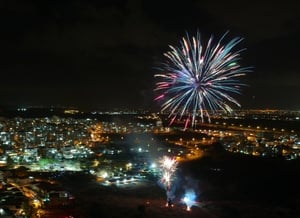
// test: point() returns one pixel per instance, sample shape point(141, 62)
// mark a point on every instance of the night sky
point(101, 54)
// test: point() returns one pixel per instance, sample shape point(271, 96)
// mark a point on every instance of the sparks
point(198, 80)
point(168, 167)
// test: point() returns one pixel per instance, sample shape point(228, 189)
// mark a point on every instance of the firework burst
point(197, 80)
point(168, 167)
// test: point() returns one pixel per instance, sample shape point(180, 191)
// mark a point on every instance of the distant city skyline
point(102, 54)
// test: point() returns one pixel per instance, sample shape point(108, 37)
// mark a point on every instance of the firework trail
point(197, 80)
point(168, 167)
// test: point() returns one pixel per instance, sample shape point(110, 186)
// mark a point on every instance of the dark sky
point(94, 54)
